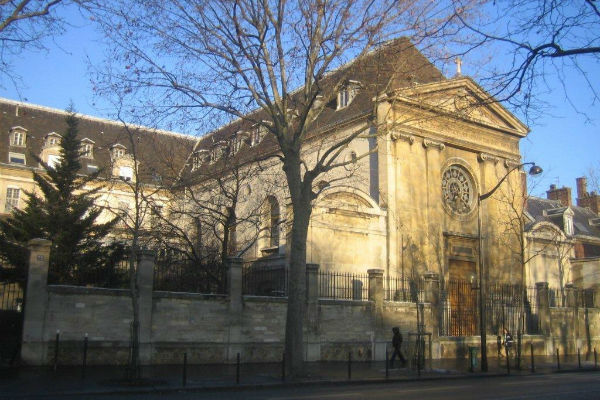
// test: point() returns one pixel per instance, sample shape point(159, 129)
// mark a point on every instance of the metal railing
point(178, 274)
point(110, 275)
point(343, 286)
point(398, 288)
point(260, 280)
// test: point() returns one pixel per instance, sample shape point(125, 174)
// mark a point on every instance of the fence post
point(235, 291)
point(313, 342)
point(33, 349)
point(431, 283)
point(571, 300)
point(145, 282)
point(376, 295)
point(543, 306)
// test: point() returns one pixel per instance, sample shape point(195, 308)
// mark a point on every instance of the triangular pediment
point(462, 98)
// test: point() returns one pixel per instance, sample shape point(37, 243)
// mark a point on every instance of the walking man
point(397, 344)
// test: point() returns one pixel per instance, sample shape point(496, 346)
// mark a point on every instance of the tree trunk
point(134, 362)
point(301, 196)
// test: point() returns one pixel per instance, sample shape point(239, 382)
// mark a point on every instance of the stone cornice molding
point(403, 136)
point(431, 143)
point(511, 163)
point(483, 157)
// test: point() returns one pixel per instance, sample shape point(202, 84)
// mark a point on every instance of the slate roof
point(581, 216)
point(159, 153)
point(393, 65)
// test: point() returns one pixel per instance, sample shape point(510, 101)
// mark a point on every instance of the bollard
point(184, 372)
point(499, 346)
point(349, 365)
point(595, 358)
point(56, 346)
point(84, 364)
point(507, 360)
point(578, 358)
point(532, 359)
point(558, 359)
point(283, 368)
point(237, 369)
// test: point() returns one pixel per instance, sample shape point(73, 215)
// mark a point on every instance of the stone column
point(431, 282)
point(145, 283)
point(313, 340)
point(234, 283)
point(543, 307)
point(33, 348)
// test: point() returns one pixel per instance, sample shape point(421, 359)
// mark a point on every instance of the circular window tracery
point(458, 190)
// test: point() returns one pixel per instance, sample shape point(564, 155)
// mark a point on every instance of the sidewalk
point(40, 382)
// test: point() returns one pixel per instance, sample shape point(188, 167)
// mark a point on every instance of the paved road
point(546, 387)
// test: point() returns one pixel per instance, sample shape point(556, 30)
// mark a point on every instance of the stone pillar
point(570, 291)
point(542, 298)
point(234, 283)
point(145, 283)
point(431, 282)
point(313, 340)
point(33, 348)
point(376, 295)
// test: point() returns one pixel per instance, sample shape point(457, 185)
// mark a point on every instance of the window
point(53, 161)
point(569, 225)
point(273, 222)
point(126, 173)
point(196, 161)
point(52, 139)
point(92, 168)
point(17, 137)
point(12, 199)
point(16, 158)
point(118, 151)
point(155, 216)
point(343, 98)
point(258, 134)
point(347, 94)
point(123, 213)
point(87, 150)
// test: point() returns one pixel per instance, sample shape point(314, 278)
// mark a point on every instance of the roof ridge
point(94, 118)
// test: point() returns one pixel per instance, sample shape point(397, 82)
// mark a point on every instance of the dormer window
point(238, 141)
point(87, 148)
point(117, 151)
point(258, 133)
point(18, 136)
point(568, 222)
point(347, 94)
point(52, 139)
point(196, 161)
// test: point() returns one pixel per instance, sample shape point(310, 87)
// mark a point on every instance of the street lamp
point(534, 170)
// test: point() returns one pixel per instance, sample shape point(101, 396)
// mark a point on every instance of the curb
point(250, 386)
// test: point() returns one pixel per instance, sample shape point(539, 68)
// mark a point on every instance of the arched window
point(274, 220)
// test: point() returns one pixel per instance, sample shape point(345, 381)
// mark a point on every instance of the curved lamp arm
point(534, 170)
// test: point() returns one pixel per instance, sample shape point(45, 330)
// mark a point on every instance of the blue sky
point(565, 142)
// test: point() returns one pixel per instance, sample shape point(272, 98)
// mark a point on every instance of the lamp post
point(534, 170)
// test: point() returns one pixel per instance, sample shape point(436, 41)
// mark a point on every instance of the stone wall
point(215, 328)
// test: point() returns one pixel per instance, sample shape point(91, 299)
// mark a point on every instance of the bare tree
point(534, 40)
point(24, 24)
point(246, 59)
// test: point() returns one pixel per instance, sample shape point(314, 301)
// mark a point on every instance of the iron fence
point(179, 274)
point(505, 308)
point(398, 288)
point(261, 280)
point(459, 309)
point(11, 296)
point(114, 275)
point(531, 310)
point(343, 286)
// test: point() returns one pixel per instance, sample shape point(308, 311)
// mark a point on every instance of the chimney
point(585, 199)
point(563, 195)
point(581, 187)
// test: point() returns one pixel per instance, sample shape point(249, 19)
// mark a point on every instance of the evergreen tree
point(64, 213)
